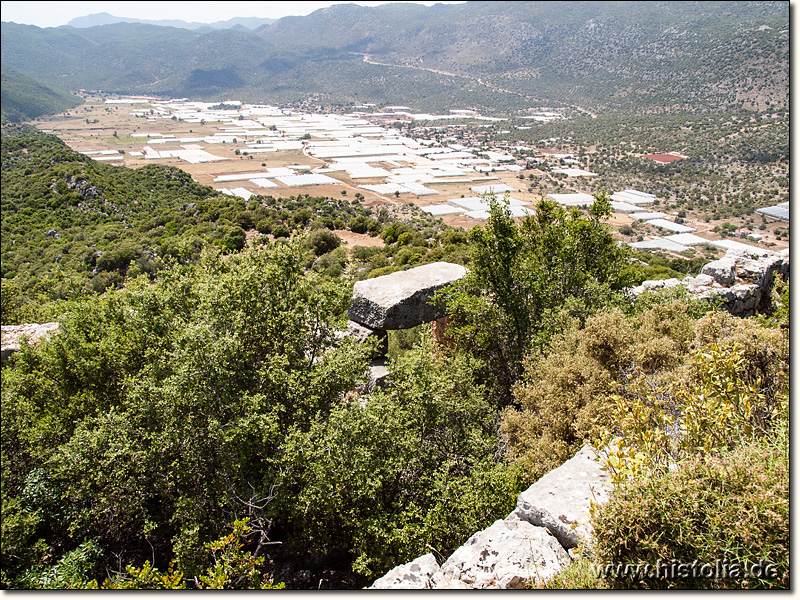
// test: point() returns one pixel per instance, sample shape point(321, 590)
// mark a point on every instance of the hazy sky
point(53, 14)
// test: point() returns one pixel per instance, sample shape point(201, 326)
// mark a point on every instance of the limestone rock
point(723, 271)
point(378, 374)
point(507, 555)
point(700, 283)
point(400, 300)
point(415, 575)
point(12, 336)
point(560, 500)
point(361, 334)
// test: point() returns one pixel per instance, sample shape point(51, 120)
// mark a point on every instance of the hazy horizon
point(56, 14)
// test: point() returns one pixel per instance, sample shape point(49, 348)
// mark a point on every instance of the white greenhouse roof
point(660, 244)
point(687, 239)
point(670, 226)
point(303, 180)
point(781, 211)
point(264, 183)
point(239, 177)
point(734, 245)
point(242, 193)
point(632, 198)
point(575, 172)
point(498, 188)
point(475, 203)
point(516, 211)
point(442, 209)
point(624, 207)
point(579, 199)
point(647, 216)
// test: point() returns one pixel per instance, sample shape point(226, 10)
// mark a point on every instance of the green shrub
point(415, 467)
point(157, 408)
point(733, 506)
point(522, 276)
point(322, 241)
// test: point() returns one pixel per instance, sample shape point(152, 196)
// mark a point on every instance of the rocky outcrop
point(415, 575)
point(402, 300)
point(531, 544)
point(561, 499)
point(507, 555)
point(13, 336)
point(742, 280)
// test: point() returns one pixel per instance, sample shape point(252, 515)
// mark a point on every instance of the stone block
point(415, 575)
point(506, 555)
point(401, 300)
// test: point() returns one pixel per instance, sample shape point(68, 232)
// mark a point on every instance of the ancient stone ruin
point(399, 300)
point(742, 280)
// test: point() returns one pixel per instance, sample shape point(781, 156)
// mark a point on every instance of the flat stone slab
point(509, 554)
point(401, 300)
point(12, 336)
point(415, 575)
point(560, 500)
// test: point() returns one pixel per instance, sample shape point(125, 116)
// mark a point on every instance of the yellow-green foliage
point(559, 399)
point(700, 459)
point(580, 574)
point(717, 407)
point(733, 506)
point(232, 568)
point(566, 396)
point(631, 376)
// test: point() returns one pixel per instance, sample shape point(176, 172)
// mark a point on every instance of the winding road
point(477, 80)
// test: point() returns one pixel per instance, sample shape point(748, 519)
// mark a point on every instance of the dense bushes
point(731, 507)
point(691, 414)
point(520, 278)
point(164, 412)
point(417, 466)
point(143, 424)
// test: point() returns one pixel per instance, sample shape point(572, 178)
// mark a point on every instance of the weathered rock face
point(415, 575)
point(741, 279)
point(723, 271)
point(362, 334)
point(507, 555)
point(12, 336)
point(530, 545)
point(378, 374)
point(400, 300)
point(560, 500)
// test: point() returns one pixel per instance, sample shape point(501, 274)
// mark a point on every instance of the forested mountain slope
point(24, 99)
point(647, 56)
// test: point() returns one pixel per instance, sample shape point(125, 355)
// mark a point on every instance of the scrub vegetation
point(197, 422)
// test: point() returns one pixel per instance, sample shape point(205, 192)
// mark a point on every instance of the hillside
point(74, 226)
point(644, 57)
point(24, 99)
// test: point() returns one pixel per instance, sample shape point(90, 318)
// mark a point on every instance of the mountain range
point(643, 57)
point(240, 23)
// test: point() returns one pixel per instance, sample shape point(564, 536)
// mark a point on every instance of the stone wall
point(741, 279)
